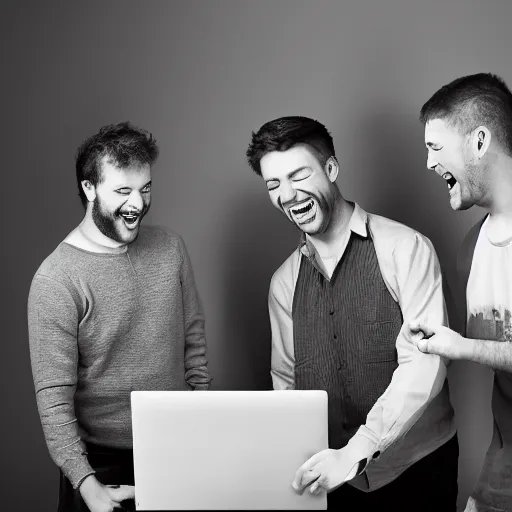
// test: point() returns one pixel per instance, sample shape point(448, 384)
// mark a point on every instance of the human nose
point(288, 193)
point(135, 201)
point(431, 162)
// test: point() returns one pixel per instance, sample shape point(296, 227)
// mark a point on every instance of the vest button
point(335, 337)
point(331, 312)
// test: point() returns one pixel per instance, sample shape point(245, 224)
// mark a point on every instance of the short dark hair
point(283, 133)
point(474, 100)
point(123, 143)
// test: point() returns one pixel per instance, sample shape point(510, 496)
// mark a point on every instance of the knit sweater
point(103, 325)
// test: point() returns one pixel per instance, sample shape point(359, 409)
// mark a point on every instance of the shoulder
point(395, 237)
point(58, 264)
point(284, 278)
point(55, 274)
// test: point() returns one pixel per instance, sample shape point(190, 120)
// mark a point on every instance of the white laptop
point(225, 450)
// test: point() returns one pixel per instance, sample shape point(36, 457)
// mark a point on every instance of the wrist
point(466, 348)
point(89, 485)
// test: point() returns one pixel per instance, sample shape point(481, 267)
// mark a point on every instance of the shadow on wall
point(258, 240)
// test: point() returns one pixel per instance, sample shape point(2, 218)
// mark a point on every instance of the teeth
point(450, 180)
point(130, 219)
point(303, 209)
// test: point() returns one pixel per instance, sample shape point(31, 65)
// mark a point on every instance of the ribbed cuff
point(198, 378)
point(76, 470)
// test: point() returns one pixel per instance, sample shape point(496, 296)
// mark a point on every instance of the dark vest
point(345, 334)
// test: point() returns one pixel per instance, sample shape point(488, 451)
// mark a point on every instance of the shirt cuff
point(77, 470)
point(362, 448)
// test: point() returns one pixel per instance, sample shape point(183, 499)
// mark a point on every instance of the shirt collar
point(357, 224)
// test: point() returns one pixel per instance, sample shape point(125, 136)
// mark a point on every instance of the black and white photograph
point(258, 255)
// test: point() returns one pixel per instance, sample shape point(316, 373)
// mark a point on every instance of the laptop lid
point(222, 450)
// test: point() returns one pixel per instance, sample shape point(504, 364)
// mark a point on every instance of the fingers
point(423, 345)
point(419, 327)
point(316, 488)
point(121, 492)
point(304, 475)
point(307, 478)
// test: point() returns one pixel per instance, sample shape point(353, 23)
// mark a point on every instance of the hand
point(104, 498)
point(326, 470)
point(436, 339)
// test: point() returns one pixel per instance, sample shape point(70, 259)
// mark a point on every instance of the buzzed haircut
point(470, 101)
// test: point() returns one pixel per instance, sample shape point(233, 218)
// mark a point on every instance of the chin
point(461, 205)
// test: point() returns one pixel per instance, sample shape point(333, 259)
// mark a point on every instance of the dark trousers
point(429, 485)
point(112, 466)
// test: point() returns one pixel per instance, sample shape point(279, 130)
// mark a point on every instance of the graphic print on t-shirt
point(489, 291)
point(490, 323)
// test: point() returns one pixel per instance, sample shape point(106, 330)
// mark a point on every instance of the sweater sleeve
point(196, 362)
point(53, 324)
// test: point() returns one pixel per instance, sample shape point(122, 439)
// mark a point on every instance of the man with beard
point(337, 306)
point(113, 309)
point(468, 134)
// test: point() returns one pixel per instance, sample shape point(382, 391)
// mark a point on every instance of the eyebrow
point(290, 174)
point(124, 186)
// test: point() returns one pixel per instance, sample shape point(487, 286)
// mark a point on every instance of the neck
point(325, 242)
point(499, 198)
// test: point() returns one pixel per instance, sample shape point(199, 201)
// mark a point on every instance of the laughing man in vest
point(337, 306)
point(113, 309)
point(468, 134)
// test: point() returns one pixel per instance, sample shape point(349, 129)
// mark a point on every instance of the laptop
point(225, 450)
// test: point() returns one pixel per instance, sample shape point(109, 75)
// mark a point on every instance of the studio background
point(201, 75)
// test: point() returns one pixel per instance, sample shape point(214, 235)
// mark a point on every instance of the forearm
point(196, 362)
point(56, 411)
point(496, 354)
point(197, 375)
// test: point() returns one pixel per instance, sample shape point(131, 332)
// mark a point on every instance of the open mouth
point(305, 212)
point(450, 180)
point(130, 219)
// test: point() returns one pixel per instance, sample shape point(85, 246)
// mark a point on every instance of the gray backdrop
point(201, 76)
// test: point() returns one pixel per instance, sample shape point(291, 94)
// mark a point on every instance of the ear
point(332, 168)
point(480, 141)
point(89, 190)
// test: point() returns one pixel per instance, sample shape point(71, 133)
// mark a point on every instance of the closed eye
point(272, 185)
point(301, 174)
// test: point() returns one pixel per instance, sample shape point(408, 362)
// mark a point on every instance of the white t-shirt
point(489, 303)
point(489, 290)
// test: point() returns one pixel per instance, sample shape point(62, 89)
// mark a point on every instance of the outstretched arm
point(437, 339)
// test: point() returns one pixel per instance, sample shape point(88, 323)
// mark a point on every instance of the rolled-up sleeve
point(416, 275)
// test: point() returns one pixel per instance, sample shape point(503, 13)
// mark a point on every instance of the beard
point(473, 189)
point(111, 223)
point(324, 210)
